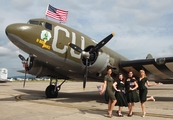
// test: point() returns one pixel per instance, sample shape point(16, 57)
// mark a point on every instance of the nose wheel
point(52, 90)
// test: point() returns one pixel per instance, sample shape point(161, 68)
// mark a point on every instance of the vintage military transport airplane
point(61, 52)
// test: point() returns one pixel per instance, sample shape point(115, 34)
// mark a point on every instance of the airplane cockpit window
point(42, 23)
point(48, 26)
point(33, 22)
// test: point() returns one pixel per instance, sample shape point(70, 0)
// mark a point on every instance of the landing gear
point(52, 90)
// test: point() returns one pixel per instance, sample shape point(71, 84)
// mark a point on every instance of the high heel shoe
point(130, 115)
point(120, 114)
point(153, 98)
point(110, 115)
point(143, 115)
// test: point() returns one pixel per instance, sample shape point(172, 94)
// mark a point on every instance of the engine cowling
point(98, 60)
point(100, 64)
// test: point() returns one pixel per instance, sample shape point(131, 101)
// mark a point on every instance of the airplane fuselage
point(48, 41)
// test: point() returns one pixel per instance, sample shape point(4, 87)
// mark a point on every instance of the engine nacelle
point(100, 64)
point(40, 69)
point(160, 61)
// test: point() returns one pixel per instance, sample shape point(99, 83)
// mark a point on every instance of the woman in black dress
point(143, 90)
point(120, 93)
point(131, 92)
point(108, 86)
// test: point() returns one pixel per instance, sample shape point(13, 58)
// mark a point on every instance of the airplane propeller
point(75, 47)
point(102, 43)
point(87, 55)
point(27, 64)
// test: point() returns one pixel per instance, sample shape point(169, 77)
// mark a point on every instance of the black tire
point(50, 93)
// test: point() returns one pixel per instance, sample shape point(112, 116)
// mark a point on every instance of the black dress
point(142, 89)
point(121, 98)
point(132, 95)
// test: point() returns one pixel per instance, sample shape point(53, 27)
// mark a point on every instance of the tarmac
point(30, 103)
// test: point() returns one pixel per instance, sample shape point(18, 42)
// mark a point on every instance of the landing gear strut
point(52, 90)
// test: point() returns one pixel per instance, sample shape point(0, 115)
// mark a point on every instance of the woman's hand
point(158, 84)
point(118, 90)
point(131, 88)
point(101, 92)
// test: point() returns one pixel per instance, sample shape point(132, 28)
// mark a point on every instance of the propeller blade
point(85, 74)
point(25, 62)
point(102, 43)
point(24, 80)
point(21, 57)
point(75, 47)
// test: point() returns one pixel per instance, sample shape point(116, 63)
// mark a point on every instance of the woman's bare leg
point(113, 102)
point(151, 98)
point(132, 107)
point(109, 106)
point(120, 109)
point(129, 107)
point(143, 109)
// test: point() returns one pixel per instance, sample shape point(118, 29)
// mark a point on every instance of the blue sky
point(140, 26)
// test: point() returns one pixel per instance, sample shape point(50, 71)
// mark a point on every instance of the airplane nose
point(16, 30)
point(9, 29)
point(12, 29)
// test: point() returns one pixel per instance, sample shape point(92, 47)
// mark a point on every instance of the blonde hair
point(142, 71)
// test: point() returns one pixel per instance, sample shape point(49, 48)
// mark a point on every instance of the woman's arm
point(115, 86)
point(136, 86)
point(104, 87)
point(149, 85)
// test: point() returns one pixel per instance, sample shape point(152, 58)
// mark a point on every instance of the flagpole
point(46, 12)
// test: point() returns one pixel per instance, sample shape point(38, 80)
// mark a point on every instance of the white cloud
point(21, 5)
point(9, 58)
point(9, 50)
point(160, 6)
point(131, 4)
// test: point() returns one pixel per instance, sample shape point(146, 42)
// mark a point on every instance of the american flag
point(100, 87)
point(56, 13)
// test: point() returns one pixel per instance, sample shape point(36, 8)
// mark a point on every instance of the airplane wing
point(156, 68)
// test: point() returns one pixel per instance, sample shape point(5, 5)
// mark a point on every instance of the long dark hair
point(123, 80)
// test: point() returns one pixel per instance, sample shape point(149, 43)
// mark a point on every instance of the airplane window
point(42, 23)
point(48, 26)
point(33, 22)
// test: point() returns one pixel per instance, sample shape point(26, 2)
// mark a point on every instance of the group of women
point(123, 92)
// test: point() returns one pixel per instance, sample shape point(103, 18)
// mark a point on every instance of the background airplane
point(61, 52)
point(3, 75)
